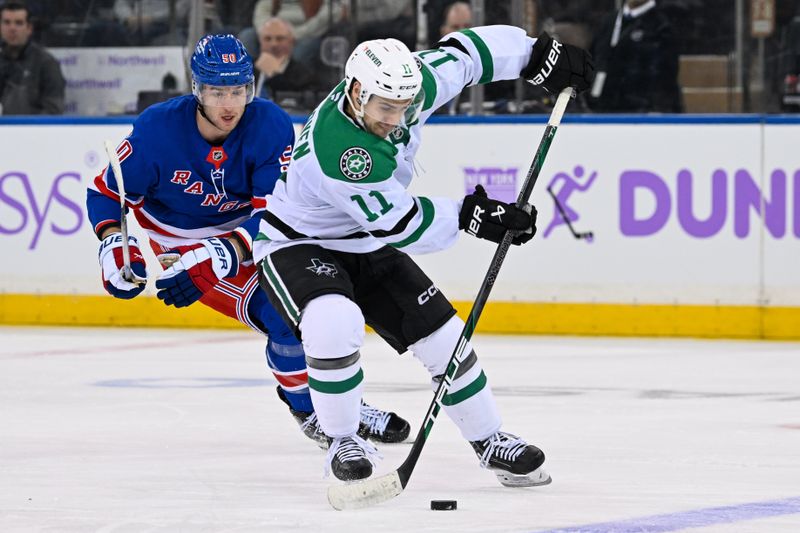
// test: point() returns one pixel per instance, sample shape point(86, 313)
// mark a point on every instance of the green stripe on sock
point(467, 392)
point(487, 65)
point(336, 387)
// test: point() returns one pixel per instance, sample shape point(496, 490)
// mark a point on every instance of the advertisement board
point(107, 81)
point(680, 214)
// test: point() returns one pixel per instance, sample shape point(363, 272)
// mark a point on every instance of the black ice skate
point(308, 423)
point(351, 458)
point(375, 424)
point(514, 462)
point(382, 426)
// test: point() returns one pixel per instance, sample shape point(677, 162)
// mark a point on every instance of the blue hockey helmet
point(222, 61)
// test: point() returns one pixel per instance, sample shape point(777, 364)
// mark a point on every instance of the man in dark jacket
point(31, 82)
point(636, 55)
point(277, 69)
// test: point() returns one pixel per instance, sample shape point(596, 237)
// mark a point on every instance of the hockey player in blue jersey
point(196, 172)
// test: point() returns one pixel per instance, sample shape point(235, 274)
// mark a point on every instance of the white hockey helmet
point(385, 68)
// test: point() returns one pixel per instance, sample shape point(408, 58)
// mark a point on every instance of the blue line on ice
point(687, 519)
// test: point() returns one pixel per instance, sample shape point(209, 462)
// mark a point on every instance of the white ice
point(126, 430)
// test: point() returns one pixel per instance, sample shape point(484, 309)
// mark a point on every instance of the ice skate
point(514, 462)
point(308, 423)
point(375, 424)
point(351, 458)
point(382, 426)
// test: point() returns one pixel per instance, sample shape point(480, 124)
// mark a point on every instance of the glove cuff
point(114, 240)
point(540, 48)
point(224, 260)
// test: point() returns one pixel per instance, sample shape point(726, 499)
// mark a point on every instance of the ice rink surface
point(125, 430)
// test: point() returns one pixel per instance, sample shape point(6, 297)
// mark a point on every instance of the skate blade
point(535, 479)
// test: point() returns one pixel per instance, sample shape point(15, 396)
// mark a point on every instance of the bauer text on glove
point(489, 219)
point(195, 270)
point(112, 263)
point(556, 66)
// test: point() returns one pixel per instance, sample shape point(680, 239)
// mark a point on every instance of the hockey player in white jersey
point(337, 230)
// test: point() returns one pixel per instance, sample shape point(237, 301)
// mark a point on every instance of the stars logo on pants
point(321, 268)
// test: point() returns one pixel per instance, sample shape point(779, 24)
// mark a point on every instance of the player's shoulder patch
point(346, 152)
point(355, 163)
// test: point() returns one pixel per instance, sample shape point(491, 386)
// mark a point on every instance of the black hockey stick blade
point(370, 492)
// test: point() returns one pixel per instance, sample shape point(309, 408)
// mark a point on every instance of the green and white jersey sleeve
point(477, 55)
point(389, 213)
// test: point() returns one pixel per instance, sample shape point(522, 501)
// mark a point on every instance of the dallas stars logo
point(321, 268)
point(355, 163)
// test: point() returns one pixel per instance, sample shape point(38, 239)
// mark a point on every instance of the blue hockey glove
point(195, 270)
point(110, 257)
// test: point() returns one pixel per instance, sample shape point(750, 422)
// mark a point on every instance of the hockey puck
point(444, 505)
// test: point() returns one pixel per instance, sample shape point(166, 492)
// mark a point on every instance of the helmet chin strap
point(359, 115)
point(203, 114)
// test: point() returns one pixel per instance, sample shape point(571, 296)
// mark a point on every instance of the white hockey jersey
point(346, 189)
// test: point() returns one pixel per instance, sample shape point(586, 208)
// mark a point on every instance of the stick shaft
point(113, 160)
point(405, 470)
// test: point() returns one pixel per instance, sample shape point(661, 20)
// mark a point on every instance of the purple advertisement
point(500, 183)
point(648, 201)
point(53, 211)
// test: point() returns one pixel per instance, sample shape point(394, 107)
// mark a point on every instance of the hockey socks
point(288, 364)
point(336, 386)
point(469, 401)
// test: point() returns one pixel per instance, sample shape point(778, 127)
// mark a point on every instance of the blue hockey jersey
point(181, 187)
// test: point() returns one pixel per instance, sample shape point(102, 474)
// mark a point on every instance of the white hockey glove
point(110, 257)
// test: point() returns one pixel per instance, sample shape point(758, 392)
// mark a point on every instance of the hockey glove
point(556, 66)
point(194, 270)
point(110, 256)
point(489, 219)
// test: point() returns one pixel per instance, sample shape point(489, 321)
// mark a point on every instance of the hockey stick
point(588, 235)
point(113, 159)
point(380, 489)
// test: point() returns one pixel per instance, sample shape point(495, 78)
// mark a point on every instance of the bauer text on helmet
point(222, 72)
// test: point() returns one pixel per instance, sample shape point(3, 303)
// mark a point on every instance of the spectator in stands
point(311, 20)
point(457, 16)
point(379, 19)
point(277, 69)
point(149, 21)
point(494, 12)
point(572, 22)
point(636, 54)
point(31, 82)
point(314, 19)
